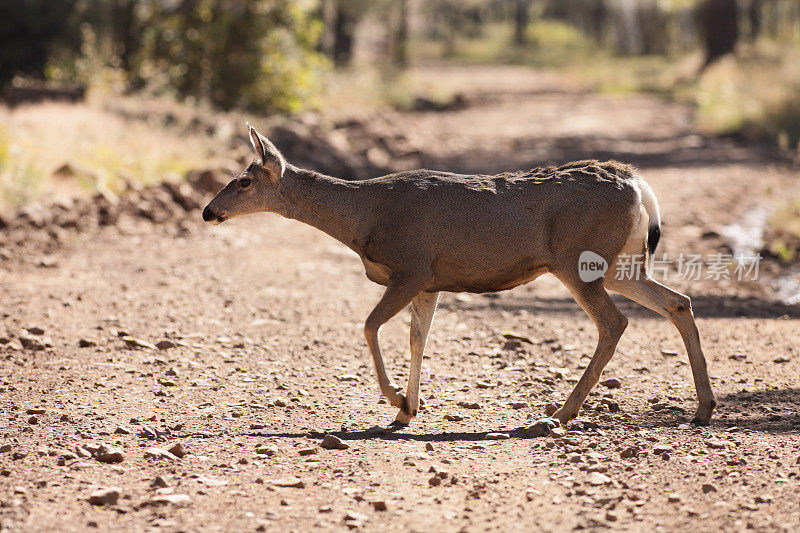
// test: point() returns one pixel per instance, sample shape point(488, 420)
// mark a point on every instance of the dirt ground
point(261, 353)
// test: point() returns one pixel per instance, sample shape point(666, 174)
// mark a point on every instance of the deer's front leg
point(423, 306)
point(398, 294)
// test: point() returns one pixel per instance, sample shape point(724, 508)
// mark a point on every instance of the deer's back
point(490, 232)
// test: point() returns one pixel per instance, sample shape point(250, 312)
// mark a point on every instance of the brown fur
point(424, 231)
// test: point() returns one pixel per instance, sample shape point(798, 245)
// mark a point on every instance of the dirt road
point(260, 324)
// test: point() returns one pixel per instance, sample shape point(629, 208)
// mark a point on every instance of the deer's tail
point(650, 204)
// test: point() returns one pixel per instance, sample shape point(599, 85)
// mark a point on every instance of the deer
point(422, 232)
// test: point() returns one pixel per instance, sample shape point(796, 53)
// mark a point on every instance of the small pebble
point(177, 450)
point(107, 496)
point(332, 442)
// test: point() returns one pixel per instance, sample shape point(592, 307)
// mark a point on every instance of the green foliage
point(783, 231)
point(254, 54)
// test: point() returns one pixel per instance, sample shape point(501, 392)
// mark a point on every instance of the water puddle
point(746, 237)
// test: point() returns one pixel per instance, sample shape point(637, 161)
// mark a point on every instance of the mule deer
point(422, 232)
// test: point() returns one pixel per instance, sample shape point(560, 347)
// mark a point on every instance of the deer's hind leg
point(610, 322)
point(423, 307)
point(398, 295)
point(678, 309)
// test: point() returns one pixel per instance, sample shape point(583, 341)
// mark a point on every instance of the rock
point(596, 478)
point(159, 453)
point(177, 450)
point(149, 432)
point(332, 442)
point(708, 487)
point(133, 342)
point(5, 448)
point(293, 482)
point(764, 498)
point(177, 500)
point(107, 496)
point(210, 481)
point(717, 444)
point(257, 425)
point(519, 405)
point(109, 454)
point(674, 497)
point(435, 481)
point(348, 377)
point(82, 452)
point(611, 383)
point(36, 411)
point(662, 449)
point(668, 352)
point(469, 405)
point(512, 345)
point(165, 344)
point(379, 505)
point(122, 430)
point(353, 516)
point(33, 419)
point(516, 337)
point(31, 343)
point(35, 330)
point(543, 427)
point(86, 343)
point(307, 451)
point(780, 360)
point(429, 448)
point(267, 450)
point(558, 433)
point(550, 409)
point(453, 417)
point(159, 483)
point(629, 452)
point(497, 436)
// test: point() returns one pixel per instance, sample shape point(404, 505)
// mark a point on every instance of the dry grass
point(95, 147)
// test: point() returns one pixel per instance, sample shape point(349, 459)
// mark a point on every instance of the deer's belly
point(454, 277)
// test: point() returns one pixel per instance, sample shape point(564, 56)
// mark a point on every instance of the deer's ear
point(266, 151)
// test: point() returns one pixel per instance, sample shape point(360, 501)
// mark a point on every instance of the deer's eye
point(244, 182)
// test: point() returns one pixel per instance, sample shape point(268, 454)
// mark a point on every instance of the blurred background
point(102, 94)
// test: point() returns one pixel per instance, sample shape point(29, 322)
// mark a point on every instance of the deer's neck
point(329, 204)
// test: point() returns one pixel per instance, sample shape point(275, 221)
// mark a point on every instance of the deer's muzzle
point(211, 216)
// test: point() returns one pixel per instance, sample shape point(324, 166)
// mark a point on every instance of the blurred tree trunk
point(597, 20)
point(400, 45)
point(343, 28)
point(521, 20)
point(754, 18)
point(125, 31)
point(719, 22)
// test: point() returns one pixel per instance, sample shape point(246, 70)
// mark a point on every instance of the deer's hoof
point(563, 416)
point(403, 417)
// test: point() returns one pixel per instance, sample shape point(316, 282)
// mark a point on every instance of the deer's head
point(255, 190)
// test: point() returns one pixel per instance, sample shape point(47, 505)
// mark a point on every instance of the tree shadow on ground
point(704, 305)
point(770, 411)
point(397, 433)
point(679, 151)
point(755, 411)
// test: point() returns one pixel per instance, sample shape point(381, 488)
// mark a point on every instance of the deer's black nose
point(208, 214)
